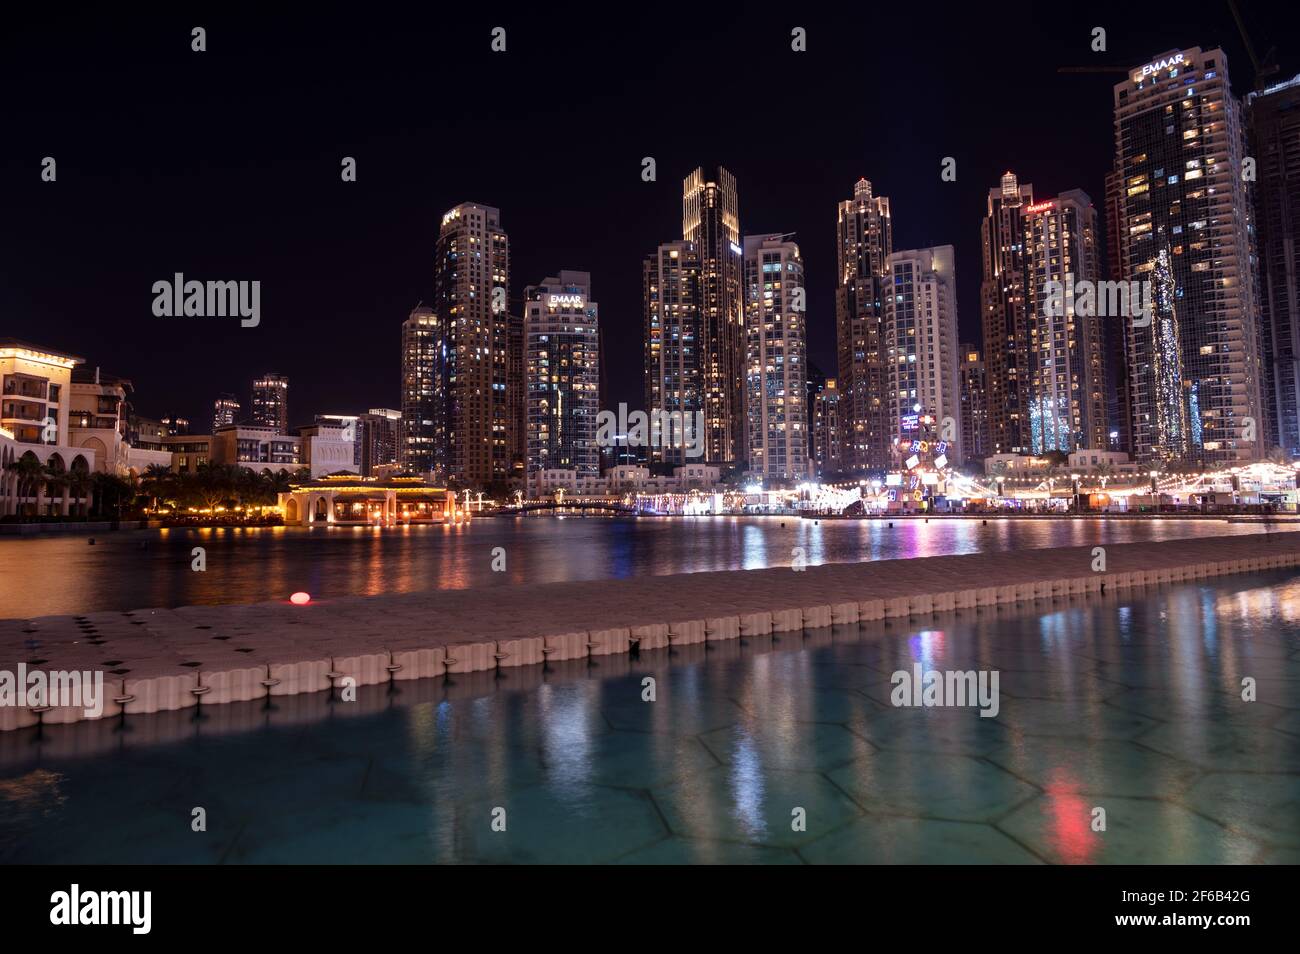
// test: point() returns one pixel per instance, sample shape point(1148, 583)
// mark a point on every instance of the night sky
point(225, 165)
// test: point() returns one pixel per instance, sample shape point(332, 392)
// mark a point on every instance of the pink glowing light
point(300, 598)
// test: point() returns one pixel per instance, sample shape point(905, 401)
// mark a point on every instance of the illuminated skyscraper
point(1186, 228)
point(480, 411)
point(378, 438)
point(974, 405)
point(671, 288)
point(777, 369)
point(1119, 406)
point(923, 396)
point(1003, 316)
point(1066, 401)
point(562, 370)
point(422, 447)
point(225, 411)
point(827, 450)
point(1274, 115)
point(864, 239)
point(711, 222)
point(271, 402)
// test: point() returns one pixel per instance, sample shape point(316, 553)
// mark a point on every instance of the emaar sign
point(1177, 59)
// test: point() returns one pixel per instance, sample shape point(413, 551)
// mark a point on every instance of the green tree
point(159, 483)
point(30, 473)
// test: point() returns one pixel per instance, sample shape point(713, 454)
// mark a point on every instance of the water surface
point(141, 569)
point(1130, 704)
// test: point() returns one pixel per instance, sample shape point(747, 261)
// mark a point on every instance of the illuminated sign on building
point(1040, 207)
point(558, 300)
point(1177, 59)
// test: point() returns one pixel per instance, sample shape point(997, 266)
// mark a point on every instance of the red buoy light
point(300, 598)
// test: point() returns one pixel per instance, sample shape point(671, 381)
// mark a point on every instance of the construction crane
point(1265, 69)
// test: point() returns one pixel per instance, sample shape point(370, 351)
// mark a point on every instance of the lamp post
point(1074, 489)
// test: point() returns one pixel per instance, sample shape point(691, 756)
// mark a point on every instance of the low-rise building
point(42, 472)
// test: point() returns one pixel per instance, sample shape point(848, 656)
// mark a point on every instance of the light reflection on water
point(141, 569)
point(741, 734)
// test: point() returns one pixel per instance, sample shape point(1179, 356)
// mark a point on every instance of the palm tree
point(1281, 457)
point(110, 491)
point(79, 484)
point(30, 473)
point(158, 481)
point(56, 480)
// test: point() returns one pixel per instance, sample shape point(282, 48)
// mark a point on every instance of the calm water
point(1132, 705)
point(141, 569)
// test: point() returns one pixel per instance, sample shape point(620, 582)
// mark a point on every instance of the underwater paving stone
point(397, 835)
point(1071, 719)
point(955, 787)
point(1226, 747)
point(1058, 827)
point(691, 715)
point(1168, 706)
point(798, 746)
point(819, 703)
point(1289, 723)
point(892, 840)
point(551, 825)
point(624, 759)
point(693, 851)
point(1082, 766)
point(746, 803)
point(936, 731)
point(1264, 805)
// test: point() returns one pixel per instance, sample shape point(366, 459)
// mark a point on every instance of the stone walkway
point(167, 659)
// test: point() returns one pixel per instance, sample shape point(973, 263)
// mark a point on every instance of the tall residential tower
point(1274, 115)
point(271, 402)
point(776, 378)
point(472, 281)
point(421, 448)
point(1065, 388)
point(1003, 316)
point(562, 371)
point(923, 396)
point(1185, 227)
point(711, 222)
point(864, 239)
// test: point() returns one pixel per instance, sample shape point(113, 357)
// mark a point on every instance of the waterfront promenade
point(168, 659)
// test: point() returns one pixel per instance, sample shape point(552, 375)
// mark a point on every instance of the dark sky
point(225, 165)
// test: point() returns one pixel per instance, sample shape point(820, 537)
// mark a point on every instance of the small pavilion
point(346, 499)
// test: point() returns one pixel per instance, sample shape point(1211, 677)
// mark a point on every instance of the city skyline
point(484, 437)
point(787, 195)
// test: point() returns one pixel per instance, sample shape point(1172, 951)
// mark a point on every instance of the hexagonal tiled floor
point(762, 750)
